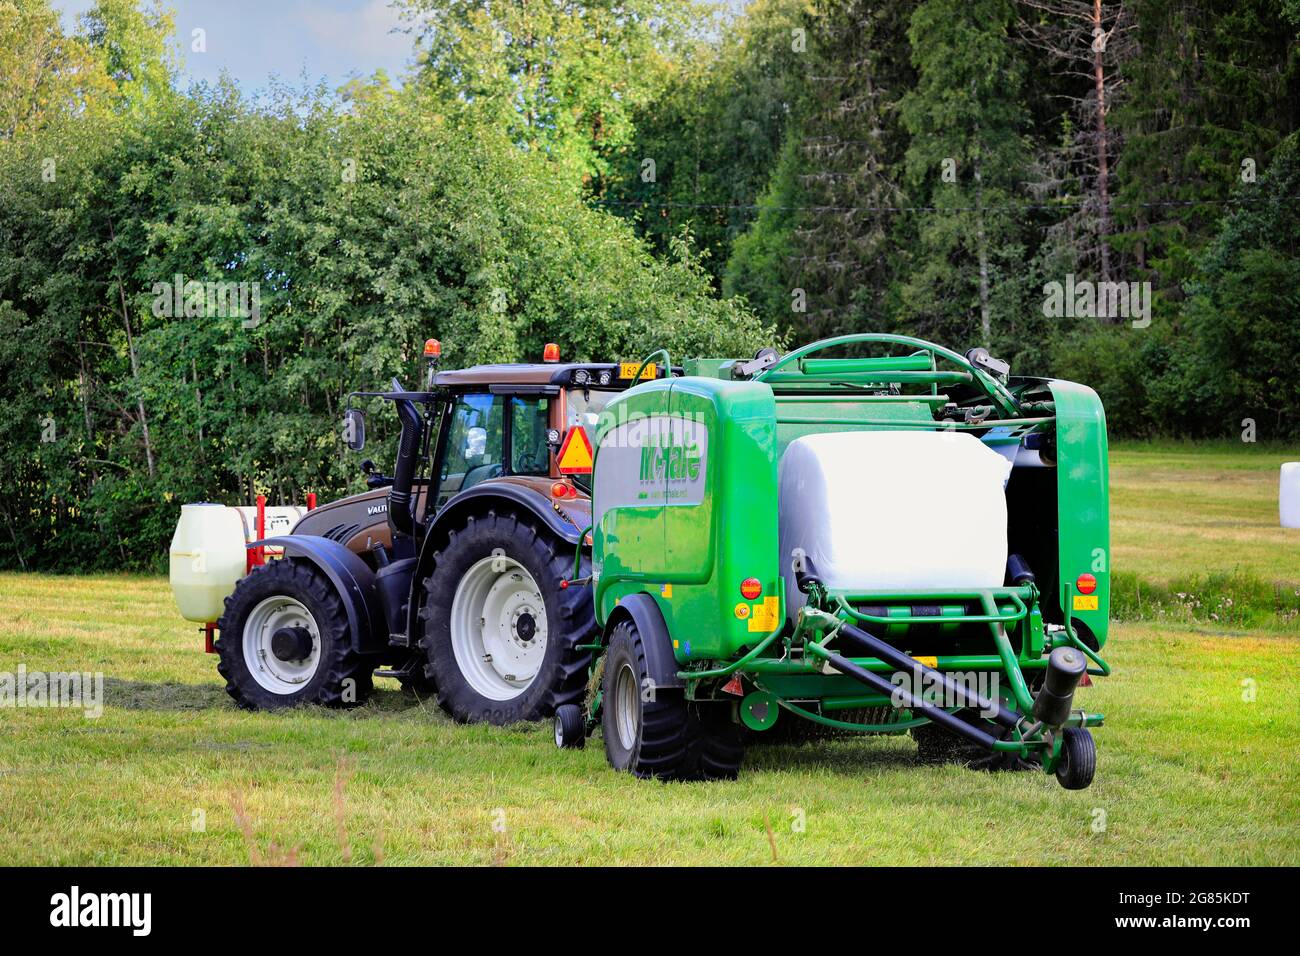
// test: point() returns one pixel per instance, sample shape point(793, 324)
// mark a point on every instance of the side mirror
point(354, 429)
point(475, 442)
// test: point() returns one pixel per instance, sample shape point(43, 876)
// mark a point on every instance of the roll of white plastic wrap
point(1288, 494)
point(894, 511)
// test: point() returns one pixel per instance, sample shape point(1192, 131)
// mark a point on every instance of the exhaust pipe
point(400, 519)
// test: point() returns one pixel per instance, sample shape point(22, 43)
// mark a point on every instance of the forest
point(193, 277)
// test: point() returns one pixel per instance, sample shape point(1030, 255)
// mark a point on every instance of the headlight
point(604, 377)
point(581, 377)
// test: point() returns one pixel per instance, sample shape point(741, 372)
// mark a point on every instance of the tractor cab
point(527, 424)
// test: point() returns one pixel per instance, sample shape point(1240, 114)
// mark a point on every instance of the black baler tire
point(340, 662)
point(677, 740)
point(1078, 764)
point(665, 732)
point(571, 621)
point(721, 744)
point(570, 727)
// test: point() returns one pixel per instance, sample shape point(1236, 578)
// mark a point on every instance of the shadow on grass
point(857, 757)
point(169, 695)
point(177, 696)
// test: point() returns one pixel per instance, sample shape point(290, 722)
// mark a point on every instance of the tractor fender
point(661, 665)
point(352, 579)
point(480, 498)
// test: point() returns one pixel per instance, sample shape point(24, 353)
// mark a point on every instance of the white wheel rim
point(498, 628)
point(627, 707)
point(271, 673)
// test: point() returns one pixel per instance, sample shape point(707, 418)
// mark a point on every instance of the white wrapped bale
point(1288, 498)
point(894, 511)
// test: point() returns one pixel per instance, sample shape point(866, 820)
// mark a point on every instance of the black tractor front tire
point(561, 674)
point(341, 677)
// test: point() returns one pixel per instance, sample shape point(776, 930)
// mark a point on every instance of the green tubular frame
point(1019, 602)
point(859, 370)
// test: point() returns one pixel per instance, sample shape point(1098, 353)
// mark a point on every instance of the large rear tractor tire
point(502, 637)
point(284, 641)
point(661, 734)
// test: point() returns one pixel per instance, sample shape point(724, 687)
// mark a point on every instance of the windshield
point(584, 406)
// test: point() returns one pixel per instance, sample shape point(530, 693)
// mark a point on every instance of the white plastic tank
point(207, 559)
point(1288, 494)
point(208, 553)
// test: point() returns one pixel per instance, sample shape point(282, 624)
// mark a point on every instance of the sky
point(251, 39)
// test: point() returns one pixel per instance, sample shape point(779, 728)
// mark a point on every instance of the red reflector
point(751, 588)
point(1086, 584)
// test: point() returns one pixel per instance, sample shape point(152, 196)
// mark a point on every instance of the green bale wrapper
point(708, 627)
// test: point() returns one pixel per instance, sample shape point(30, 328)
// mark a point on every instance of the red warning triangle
point(575, 453)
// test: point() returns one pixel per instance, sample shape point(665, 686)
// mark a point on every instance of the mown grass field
point(1190, 770)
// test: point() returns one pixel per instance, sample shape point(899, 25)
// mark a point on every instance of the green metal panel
point(732, 534)
point(1083, 501)
point(707, 462)
point(628, 540)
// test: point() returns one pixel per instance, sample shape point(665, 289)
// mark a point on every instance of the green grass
point(1179, 511)
point(1189, 771)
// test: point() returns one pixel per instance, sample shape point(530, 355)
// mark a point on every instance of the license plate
point(628, 370)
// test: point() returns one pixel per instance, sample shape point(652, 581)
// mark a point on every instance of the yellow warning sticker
point(927, 661)
point(765, 614)
point(742, 610)
point(575, 453)
point(1085, 602)
point(628, 369)
point(666, 591)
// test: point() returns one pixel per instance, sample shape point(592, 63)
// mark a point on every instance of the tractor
point(870, 534)
point(447, 575)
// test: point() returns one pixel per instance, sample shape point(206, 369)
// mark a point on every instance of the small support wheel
point(570, 727)
point(1078, 764)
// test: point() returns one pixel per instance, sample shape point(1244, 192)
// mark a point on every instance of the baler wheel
point(667, 736)
point(570, 727)
point(1078, 763)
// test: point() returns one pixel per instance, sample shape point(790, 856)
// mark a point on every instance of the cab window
point(473, 444)
point(529, 453)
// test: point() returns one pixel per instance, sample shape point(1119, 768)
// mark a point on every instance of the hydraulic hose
point(874, 647)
